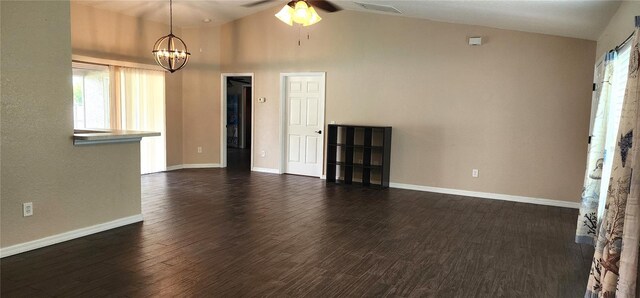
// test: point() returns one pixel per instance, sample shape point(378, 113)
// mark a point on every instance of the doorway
point(302, 123)
point(237, 121)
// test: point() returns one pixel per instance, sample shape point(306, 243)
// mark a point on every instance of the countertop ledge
point(97, 136)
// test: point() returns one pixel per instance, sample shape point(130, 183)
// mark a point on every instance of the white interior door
point(304, 125)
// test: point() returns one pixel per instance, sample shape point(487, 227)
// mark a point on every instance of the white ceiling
point(571, 18)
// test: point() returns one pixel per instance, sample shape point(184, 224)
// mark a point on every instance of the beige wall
point(173, 94)
point(620, 27)
point(193, 106)
point(516, 108)
point(104, 34)
point(70, 187)
point(201, 96)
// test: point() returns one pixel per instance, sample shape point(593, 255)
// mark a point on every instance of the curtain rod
point(88, 62)
point(621, 45)
point(109, 62)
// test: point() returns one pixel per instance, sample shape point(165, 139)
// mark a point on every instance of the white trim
point(223, 114)
point(201, 165)
point(283, 112)
point(253, 119)
point(303, 74)
point(193, 166)
point(265, 170)
point(89, 66)
point(175, 167)
point(486, 195)
point(282, 124)
point(101, 61)
point(66, 236)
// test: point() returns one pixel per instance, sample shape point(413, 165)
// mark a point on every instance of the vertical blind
point(140, 104)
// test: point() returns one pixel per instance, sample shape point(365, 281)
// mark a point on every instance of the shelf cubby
point(359, 155)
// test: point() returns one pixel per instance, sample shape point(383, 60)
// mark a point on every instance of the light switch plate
point(27, 209)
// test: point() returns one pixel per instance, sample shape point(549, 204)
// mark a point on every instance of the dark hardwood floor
point(238, 159)
point(231, 233)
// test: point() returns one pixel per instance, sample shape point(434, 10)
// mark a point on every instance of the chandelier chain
point(171, 16)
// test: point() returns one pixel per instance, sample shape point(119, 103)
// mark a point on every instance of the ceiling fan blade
point(324, 5)
point(252, 4)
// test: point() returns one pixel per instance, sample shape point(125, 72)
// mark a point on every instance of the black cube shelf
point(359, 154)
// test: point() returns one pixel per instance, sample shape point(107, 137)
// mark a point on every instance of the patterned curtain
point(588, 218)
point(614, 269)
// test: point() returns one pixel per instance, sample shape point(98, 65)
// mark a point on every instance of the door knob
point(318, 131)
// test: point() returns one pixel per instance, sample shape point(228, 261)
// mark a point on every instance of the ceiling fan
point(300, 11)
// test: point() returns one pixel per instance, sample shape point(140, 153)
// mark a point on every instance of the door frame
point(223, 114)
point(283, 115)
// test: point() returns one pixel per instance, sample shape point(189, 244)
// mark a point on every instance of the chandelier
point(299, 12)
point(170, 52)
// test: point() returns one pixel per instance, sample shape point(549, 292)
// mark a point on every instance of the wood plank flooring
point(230, 233)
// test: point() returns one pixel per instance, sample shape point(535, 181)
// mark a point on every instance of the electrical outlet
point(263, 153)
point(475, 173)
point(27, 209)
point(199, 149)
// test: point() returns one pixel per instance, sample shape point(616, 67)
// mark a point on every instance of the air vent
point(377, 7)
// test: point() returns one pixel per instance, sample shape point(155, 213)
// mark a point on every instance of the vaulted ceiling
point(570, 18)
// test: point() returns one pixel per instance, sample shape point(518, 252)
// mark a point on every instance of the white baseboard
point(176, 167)
point(66, 236)
point(486, 195)
point(200, 165)
point(193, 166)
point(265, 170)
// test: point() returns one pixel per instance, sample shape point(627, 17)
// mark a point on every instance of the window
point(616, 100)
point(123, 98)
point(91, 102)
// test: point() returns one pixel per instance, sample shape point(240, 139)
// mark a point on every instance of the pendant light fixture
point(170, 52)
point(299, 12)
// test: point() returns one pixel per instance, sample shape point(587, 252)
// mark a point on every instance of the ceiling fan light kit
point(286, 15)
point(170, 51)
point(313, 18)
point(299, 12)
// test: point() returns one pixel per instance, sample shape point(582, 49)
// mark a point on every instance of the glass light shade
point(285, 15)
point(301, 13)
point(314, 17)
point(171, 53)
